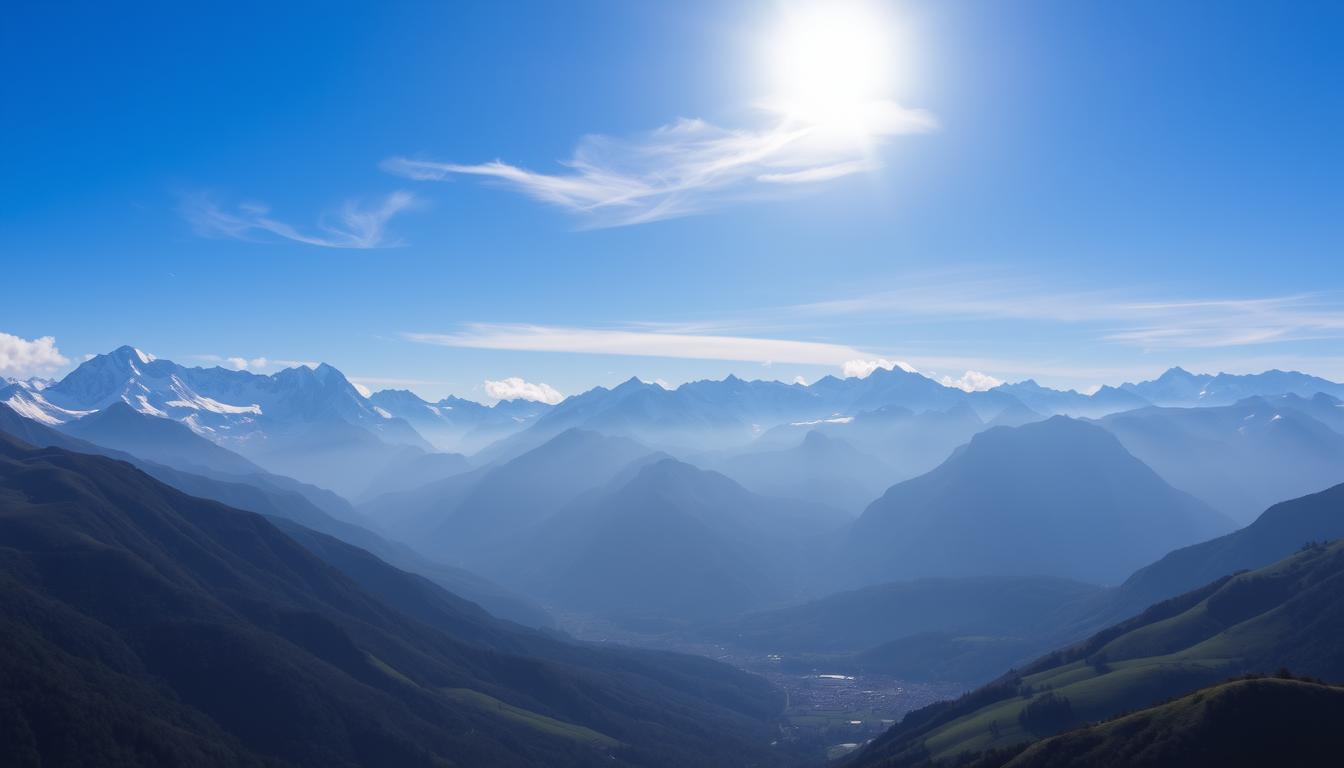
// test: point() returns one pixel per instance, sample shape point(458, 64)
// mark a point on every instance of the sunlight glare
point(829, 62)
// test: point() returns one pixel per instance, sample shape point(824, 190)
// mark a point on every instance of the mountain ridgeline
point(161, 628)
point(210, 566)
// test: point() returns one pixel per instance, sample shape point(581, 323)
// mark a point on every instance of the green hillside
point(1257, 722)
point(1287, 614)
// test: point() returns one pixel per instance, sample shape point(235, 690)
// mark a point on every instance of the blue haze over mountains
point(884, 525)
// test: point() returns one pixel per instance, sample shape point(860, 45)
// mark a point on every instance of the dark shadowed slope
point(1060, 497)
point(165, 627)
point(269, 495)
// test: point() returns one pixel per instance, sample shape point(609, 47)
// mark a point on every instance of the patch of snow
point(144, 406)
point(814, 422)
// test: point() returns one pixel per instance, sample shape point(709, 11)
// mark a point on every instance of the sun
point(828, 62)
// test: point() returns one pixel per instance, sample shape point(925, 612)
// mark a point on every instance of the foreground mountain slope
point(1238, 458)
point(270, 495)
point(1255, 722)
point(1059, 497)
point(219, 618)
point(1280, 531)
point(1285, 615)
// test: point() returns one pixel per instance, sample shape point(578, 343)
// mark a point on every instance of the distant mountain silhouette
point(416, 470)
point(820, 469)
point(909, 443)
point(454, 424)
point(146, 626)
point(161, 440)
point(1238, 458)
point(307, 423)
point(1059, 497)
point(471, 517)
point(729, 414)
point(1179, 387)
point(669, 543)
point(1070, 403)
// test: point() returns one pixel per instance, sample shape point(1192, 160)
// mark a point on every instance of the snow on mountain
point(454, 424)
point(1179, 387)
point(281, 421)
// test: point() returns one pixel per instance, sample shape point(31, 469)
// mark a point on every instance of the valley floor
point(827, 715)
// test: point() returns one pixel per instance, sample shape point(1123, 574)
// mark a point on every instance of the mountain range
point(1060, 497)
point(1239, 458)
point(146, 626)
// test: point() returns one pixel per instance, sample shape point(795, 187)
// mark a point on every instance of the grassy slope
point(1243, 722)
point(1256, 621)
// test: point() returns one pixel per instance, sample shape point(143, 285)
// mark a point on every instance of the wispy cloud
point(691, 165)
point(515, 388)
point(537, 338)
point(1112, 315)
point(352, 226)
point(22, 358)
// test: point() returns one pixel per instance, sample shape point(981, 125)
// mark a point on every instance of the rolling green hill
point(1287, 614)
point(1257, 722)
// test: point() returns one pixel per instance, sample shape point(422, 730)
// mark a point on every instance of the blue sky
point(1075, 192)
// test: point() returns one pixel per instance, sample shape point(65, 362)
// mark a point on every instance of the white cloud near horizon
point(690, 165)
point(537, 338)
point(240, 363)
point(353, 226)
point(862, 369)
point(971, 381)
point(515, 388)
point(24, 358)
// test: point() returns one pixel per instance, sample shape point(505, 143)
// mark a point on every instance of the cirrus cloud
point(638, 343)
point(690, 165)
point(353, 226)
